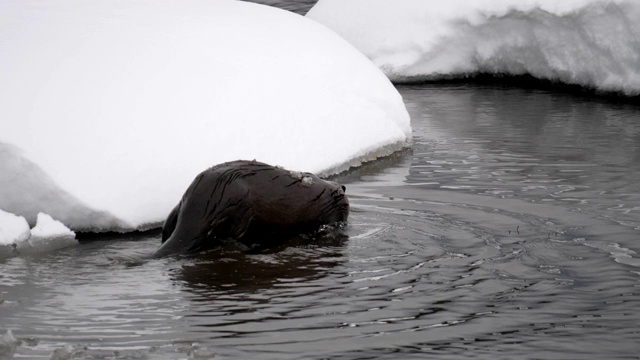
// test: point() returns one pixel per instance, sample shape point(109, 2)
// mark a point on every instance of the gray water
point(510, 230)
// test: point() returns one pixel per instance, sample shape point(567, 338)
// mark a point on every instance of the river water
point(510, 229)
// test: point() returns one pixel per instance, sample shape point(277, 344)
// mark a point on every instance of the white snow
point(47, 235)
point(13, 228)
point(591, 43)
point(108, 109)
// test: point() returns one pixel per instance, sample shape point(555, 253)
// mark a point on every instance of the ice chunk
point(13, 229)
point(47, 227)
point(47, 235)
point(8, 345)
point(66, 352)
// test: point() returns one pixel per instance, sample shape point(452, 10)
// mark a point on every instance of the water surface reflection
point(235, 269)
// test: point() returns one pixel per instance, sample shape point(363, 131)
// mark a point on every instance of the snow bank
point(591, 43)
point(108, 109)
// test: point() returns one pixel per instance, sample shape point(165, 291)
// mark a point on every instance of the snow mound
point(47, 235)
point(13, 229)
point(47, 227)
point(590, 43)
point(109, 109)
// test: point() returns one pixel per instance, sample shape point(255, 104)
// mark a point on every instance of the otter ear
point(344, 188)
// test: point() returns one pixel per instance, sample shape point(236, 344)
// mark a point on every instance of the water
point(510, 230)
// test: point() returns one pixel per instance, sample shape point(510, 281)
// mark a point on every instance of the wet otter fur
point(253, 203)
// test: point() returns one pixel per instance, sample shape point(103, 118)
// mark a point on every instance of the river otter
point(251, 202)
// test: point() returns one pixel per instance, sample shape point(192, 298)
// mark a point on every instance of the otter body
point(253, 203)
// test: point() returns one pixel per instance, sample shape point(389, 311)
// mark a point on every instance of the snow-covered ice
point(108, 109)
point(48, 234)
point(591, 43)
point(13, 229)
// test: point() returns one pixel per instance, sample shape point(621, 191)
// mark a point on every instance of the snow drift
point(108, 109)
point(595, 44)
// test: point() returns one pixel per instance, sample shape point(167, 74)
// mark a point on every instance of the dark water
point(511, 230)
